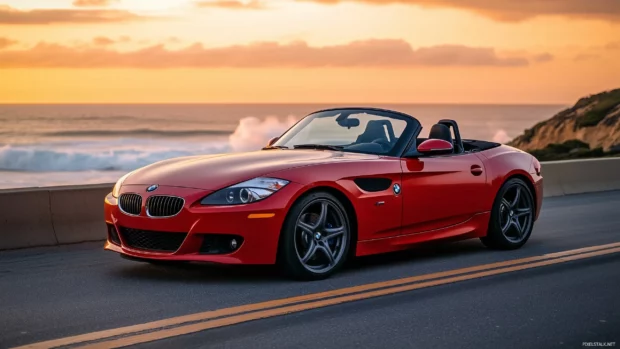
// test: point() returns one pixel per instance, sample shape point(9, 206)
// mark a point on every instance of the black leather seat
point(374, 131)
point(439, 131)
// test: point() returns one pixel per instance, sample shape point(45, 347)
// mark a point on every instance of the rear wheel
point(315, 238)
point(512, 216)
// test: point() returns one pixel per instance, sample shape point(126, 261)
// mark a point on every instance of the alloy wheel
point(321, 235)
point(516, 213)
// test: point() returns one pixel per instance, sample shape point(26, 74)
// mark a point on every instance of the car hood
point(213, 172)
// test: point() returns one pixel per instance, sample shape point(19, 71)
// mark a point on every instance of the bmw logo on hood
point(152, 188)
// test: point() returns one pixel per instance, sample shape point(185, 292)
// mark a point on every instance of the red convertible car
point(340, 183)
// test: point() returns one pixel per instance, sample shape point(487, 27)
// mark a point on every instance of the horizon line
point(361, 104)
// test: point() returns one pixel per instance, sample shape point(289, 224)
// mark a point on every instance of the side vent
point(373, 184)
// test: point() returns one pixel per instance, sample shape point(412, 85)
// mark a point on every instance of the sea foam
point(126, 153)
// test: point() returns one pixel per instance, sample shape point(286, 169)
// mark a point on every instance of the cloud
point(9, 16)
point(6, 42)
point(586, 57)
point(103, 41)
point(513, 10)
point(613, 46)
point(232, 4)
point(543, 57)
point(92, 3)
point(369, 53)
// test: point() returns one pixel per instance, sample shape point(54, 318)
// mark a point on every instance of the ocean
point(48, 145)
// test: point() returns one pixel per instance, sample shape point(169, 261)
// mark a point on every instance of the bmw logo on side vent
point(152, 188)
point(396, 189)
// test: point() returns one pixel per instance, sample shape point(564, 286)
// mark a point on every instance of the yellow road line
point(209, 315)
point(233, 320)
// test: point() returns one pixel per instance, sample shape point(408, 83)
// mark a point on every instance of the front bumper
point(258, 224)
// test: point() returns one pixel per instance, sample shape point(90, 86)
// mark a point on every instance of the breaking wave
point(127, 154)
point(501, 136)
point(137, 132)
point(39, 160)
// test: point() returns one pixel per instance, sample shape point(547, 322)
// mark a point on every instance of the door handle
point(476, 170)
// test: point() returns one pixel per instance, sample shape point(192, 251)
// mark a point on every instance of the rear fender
point(503, 163)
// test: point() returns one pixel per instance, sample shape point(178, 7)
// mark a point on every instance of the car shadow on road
point(423, 252)
point(198, 273)
point(212, 273)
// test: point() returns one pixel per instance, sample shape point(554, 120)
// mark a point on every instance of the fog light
point(220, 243)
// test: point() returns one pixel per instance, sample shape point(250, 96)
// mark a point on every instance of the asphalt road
point(49, 293)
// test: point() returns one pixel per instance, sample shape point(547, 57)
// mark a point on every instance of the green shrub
point(571, 149)
point(604, 106)
point(575, 144)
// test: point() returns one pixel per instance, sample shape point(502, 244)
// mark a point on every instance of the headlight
point(243, 193)
point(117, 187)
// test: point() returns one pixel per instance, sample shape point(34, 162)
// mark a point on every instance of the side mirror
point(272, 141)
point(435, 147)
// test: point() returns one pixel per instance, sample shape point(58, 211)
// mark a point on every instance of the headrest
point(374, 130)
point(440, 131)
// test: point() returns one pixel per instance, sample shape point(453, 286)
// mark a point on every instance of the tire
point(306, 228)
point(504, 233)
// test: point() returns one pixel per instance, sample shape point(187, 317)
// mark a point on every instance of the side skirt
point(475, 227)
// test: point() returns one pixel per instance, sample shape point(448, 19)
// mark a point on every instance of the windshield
point(355, 130)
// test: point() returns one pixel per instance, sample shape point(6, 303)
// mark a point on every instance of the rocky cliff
point(592, 123)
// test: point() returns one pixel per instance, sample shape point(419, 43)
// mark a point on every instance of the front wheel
point(316, 237)
point(512, 216)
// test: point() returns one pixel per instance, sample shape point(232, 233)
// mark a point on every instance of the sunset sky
point(298, 51)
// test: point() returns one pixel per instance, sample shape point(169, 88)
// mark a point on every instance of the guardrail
point(62, 215)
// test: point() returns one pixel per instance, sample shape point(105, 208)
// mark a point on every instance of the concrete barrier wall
point(580, 176)
point(77, 213)
point(63, 215)
point(52, 216)
point(26, 219)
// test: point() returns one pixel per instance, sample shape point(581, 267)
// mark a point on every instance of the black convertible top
point(474, 145)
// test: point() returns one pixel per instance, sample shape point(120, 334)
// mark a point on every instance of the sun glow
point(352, 51)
